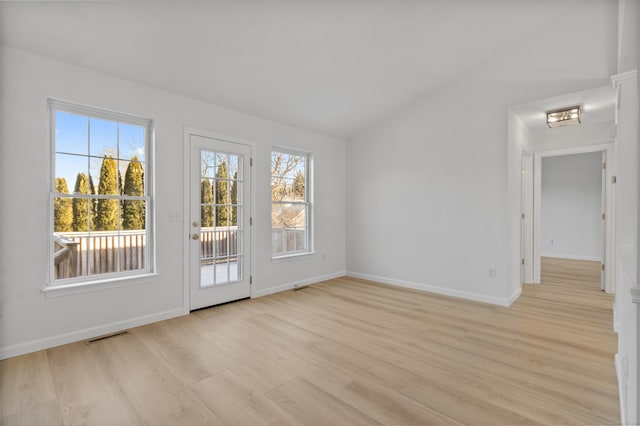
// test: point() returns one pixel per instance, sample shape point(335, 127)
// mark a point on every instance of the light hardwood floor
point(345, 351)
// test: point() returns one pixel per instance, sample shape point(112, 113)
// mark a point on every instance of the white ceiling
point(598, 106)
point(334, 67)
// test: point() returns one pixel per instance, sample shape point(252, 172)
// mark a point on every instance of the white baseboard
point(87, 333)
point(514, 296)
point(436, 289)
point(293, 284)
point(616, 324)
point(571, 256)
point(621, 393)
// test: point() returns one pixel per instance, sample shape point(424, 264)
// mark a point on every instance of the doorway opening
point(570, 209)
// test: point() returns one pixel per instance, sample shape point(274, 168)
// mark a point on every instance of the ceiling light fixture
point(564, 116)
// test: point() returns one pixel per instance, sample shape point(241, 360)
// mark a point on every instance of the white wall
point(571, 136)
point(627, 310)
point(29, 320)
point(571, 223)
point(427, 191)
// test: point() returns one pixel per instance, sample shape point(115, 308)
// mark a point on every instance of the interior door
point(220, 188)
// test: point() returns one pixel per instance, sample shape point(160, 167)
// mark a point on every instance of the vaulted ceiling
point(334, 67)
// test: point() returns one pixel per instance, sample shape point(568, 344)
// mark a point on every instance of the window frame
point(109, 279)
point(308, 202)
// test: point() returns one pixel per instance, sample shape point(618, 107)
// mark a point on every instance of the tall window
point(101, 194)
point(290, 203)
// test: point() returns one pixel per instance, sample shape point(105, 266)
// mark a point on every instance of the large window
point(290, 203)
point(101, 195)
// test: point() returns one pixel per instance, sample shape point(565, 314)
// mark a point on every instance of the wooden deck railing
point(78, 254)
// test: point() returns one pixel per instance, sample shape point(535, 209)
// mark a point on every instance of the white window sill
point(90, 286)
point(288, 257)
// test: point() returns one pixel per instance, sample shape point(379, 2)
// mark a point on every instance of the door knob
point(195, 236)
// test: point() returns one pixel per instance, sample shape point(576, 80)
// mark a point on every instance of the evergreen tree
point(107, 209)
point(298, 186)
point(133, 211)
point(81, 206)
point(222, 195)
point(206, 197)
point(234, 200)
point(62, 208)
point(93, 203)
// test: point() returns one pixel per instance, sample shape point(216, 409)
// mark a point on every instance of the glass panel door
point(220, 221)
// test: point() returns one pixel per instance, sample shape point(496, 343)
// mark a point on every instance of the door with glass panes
point(219, 221)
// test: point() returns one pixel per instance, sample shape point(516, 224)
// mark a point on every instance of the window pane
point(289, 215)
point(290, 240)
point(301, 240)
point(104, 252)
point(233, 167)
point(132, 251)
point(71, 133)
point(132, 174)
point(207, 164)
point(83, 214)
point(103, 137)
point(300, 220)
point(107, 214)
point(69, 167)
point(277, 216)
point(277, 247)
point(62, 214)
point(69, 256)
point(134, 215)
point(131, 141)
point(223, 216)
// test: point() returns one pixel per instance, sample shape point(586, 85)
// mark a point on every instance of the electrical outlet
point(492, 273)
point(550, 242)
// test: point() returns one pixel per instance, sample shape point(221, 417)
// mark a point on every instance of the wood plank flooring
point(345, 351)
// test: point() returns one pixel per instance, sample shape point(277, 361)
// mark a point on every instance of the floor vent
point(107, 336)
point(300, 287)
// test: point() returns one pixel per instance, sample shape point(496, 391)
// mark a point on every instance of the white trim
point(437, 289)
point(87, 333)
point(293, 256)
point(621, 396)
point(514, 296)
point(526, 201)
point(616, 79)
point(294, 284)
point(107, 283)
point(571, 256)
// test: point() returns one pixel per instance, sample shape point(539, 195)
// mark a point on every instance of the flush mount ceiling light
point(564, 116)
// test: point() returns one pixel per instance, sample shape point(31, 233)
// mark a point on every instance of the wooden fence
point(78, 254)
point(218, 242)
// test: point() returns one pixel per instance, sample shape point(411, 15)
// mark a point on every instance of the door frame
point(186, 208)
point(609, 222)
point(526, 225)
